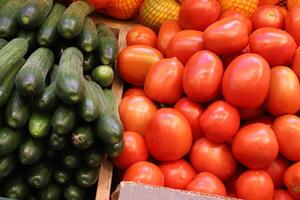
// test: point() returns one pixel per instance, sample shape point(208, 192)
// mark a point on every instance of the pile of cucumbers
point(58, 117)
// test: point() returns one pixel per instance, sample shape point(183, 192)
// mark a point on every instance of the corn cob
point(124, 9)
point(245, 6)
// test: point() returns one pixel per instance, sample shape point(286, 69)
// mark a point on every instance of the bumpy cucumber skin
point(63, 120)
point(88, 38)
point(16, 187)
point(9, 140)
point(7, 164)
point(39, 174)
point(8, 19)
point(39, 124)
point(30, 151)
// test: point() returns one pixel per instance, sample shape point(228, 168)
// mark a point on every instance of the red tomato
point(178, 174)
point(246, 81)
point(141, 35)
point(168, 135)
point(163, 82)
point(284, 92)
point(296, 63)
point(276, 170)
point(232, 181)
point(207, 182)
point(135, 61)
point(292, 180)
point(287, 130)
point(146, 173)
point(220, 121)
point(221, 36)
point(255, 146)
point(217, 158)
point(292, 23)
point(135, 150)
point(192, 111)
point(276, 46)
point(136, 112)
point(281, 194)
point(167, 31)
point(134, 91)
point(268, 16)
point(247, 113)
point(255, 185)
point(198, 14)
point(238, 15)
point(184, 44)
point(202, 76)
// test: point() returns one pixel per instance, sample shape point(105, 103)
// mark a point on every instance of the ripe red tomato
point(247, 114)
point(135, 61)
point(135, 150)
point(281, 194)
point(184, 44)
point(268, 16)
point(287, 130)
point(202, 76)
point(276, 170)
point(284, 92)
point(192, 111)
point(255, 185)
point(206, 182)
point(292, 180)
point(163, 82)
point(198, 14)
point(296, 63)
point(136, 112)
point(220, 121)
point(246, 81)
point(217, 158)
point(238, 15)
point(276, 46)
point(255, 146)
point(167, 31)
point(178, 174)
point(134, 91)
point(292, 23)
point(168, 135)
point(144, 172)
point(141, 35)
point(232, 181)
point(226, 36)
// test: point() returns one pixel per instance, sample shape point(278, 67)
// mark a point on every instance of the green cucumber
point(58, 142)
point(71, 158)
point(90, 61)
point(29, 36)
point(86, 176)
point(39, 174)
point(72, 21)
point(16, 187)
point(51, 154)
point(39, 124)
point(62, 175)
point(3, 42)
point(50, 192)
point(63, 120)
point(7, 164)
point(9, 140)
point(73, 192)
point(88, 38)
point(114, 150)
point(8, 19)
point(83, 137)
point(30, 151)
point(48, 35)
point(103, 75)
point(3, 3)
point(93, 157)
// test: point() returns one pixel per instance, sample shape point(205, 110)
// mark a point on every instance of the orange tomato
point(134, 91)
point(292, 23)
point(281, 194)
point(296, 63)
point(277, 169)
point(292, 180)
point(141, 35)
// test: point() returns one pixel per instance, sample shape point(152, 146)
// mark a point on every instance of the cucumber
point(50, 192)
point(16, 187)
point(114, 150)
point(86, 176)
point(72, 21)
point(73, 192)
point(31, 197)
point(29, 36)
point(9, 140)
point(90, 61)
point(88, 38)
point(30, 151)
point(2, 3)
point(70, 86)
point(48, 35)
point(83, 137)
point(8, 19)
point(103, 75)
point(63, 120)
point(7, 164)
point(31, 78)
point(58, 142)
point(39, 174)
point(62, 175)
point(71, 158)
point(51, 154)
point(93, 157)
point(108, 45)
point(39, 124)
point(3, 42)
point(33, 13)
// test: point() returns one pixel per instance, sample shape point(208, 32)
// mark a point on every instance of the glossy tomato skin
point(141, 35)
point(240, 16)
point(292, 179)
point(255, 185)
point(284, 93)
point(207, 182)
point(276, 46)
point(221, 36)
point(136, 112)
point(220, 121)
point(217, 158)
point(184, 44)
point(246, 81)
point(134, 91)
point(163, 82)
point(247, 114)
point(135, 61)
point(168, 135)
point(146, 173)
point(277, 169)
point(296, 63)
point(192, 111)
point(198, 14)
point(202, 76)
point(292, 23)
point(255, 146)
point(178, 174)
point(281, 194)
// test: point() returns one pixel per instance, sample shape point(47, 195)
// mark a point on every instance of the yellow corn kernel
point(245, 6)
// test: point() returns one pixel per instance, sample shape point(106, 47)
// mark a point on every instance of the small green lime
point(103, 75)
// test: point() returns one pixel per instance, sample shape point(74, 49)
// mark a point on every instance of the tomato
point(281, 194)
point(135, 150)
point(292, 23)
point(255, 185)
point(134, 91)
point(136, 112)
point(163, 82)
point(255, 146)
point(284, 92)
point(202, 76)
point(221, 36)
point(184, 44)
point(247, 113)
point(276, 170)
point(268, 16)
point(146, 173)
point(198, 14)
point(292, 180)
point(220, 121)
point(207, 182)
point(217, 158)
point(141, 35)
point(296, 63)
point(167, 31)
point(168, 135)
point(268, 120)
point(135, 61)
point(232, 181)
point(276, 46)
point(287, 130)
point(192, 111)
point(238, 15)
point(246, 81)
point(178, 174)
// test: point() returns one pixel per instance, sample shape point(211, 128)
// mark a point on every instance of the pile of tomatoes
point(212, 102)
